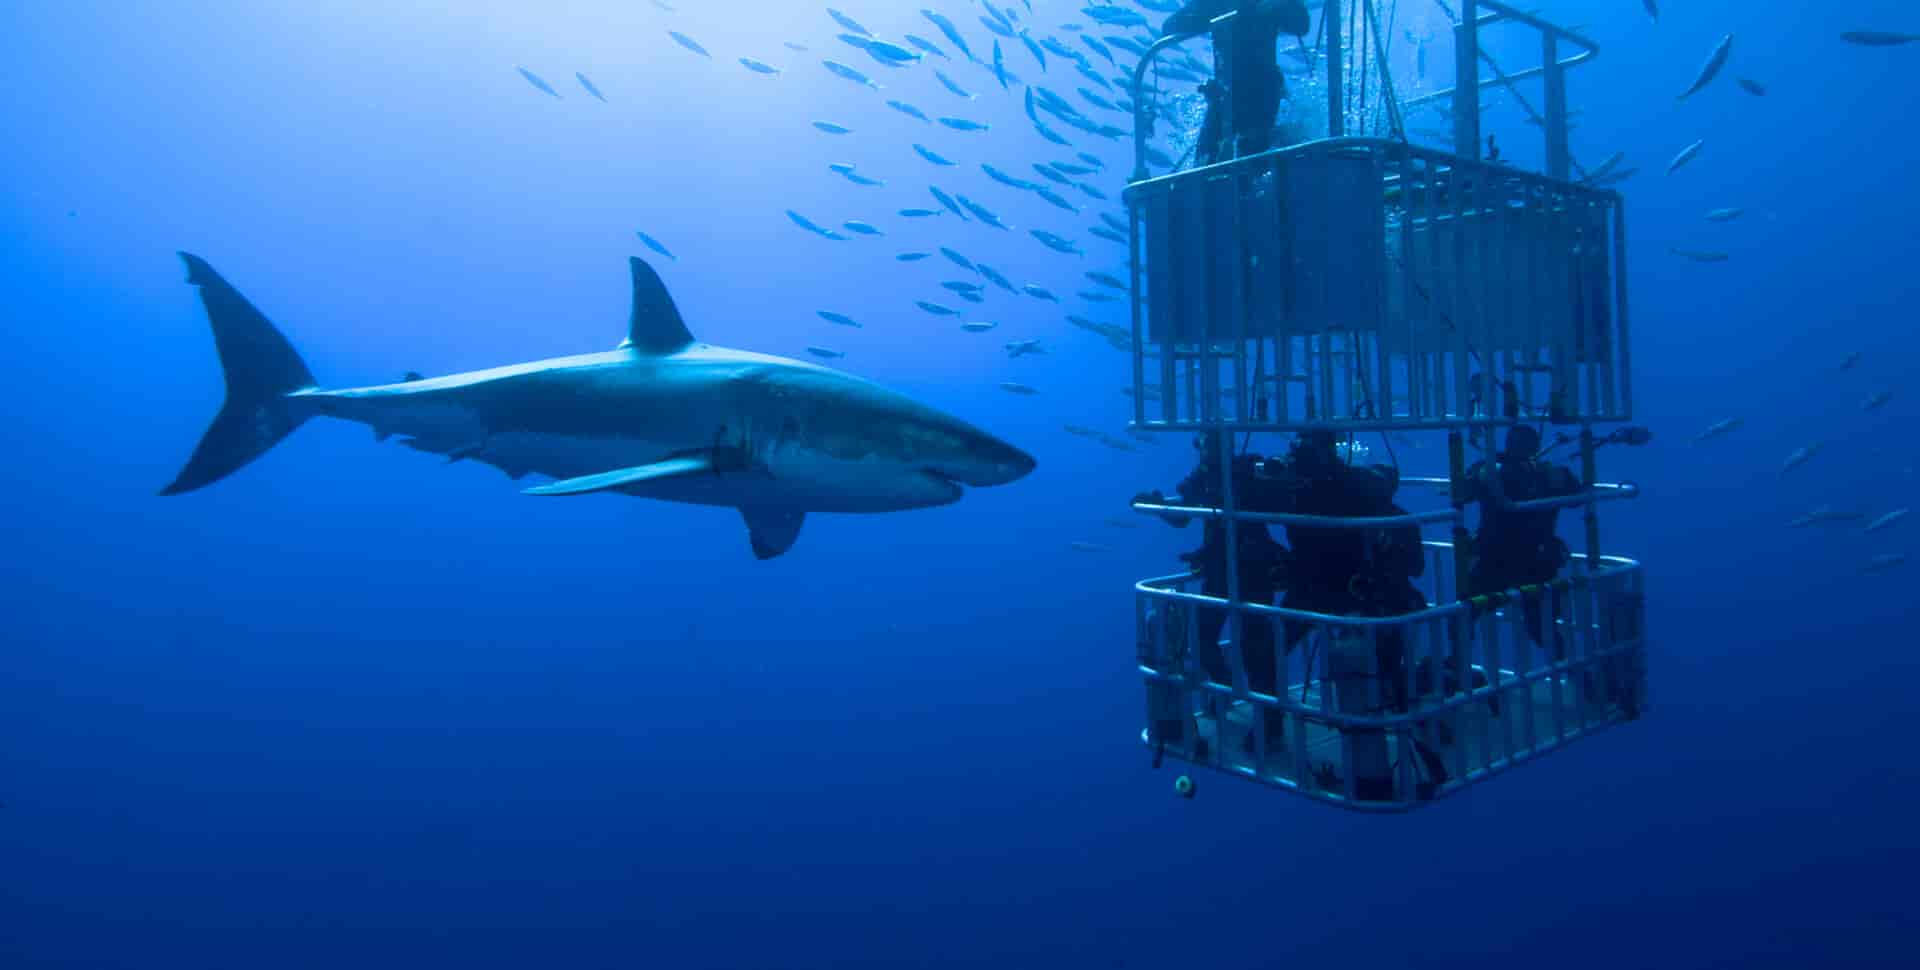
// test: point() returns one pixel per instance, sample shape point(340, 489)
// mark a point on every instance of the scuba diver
point(1262, 562)
point(1244, 49)
point(1352, 572)
point(1343, 572)
point(1519, 547)
point(1330, 570)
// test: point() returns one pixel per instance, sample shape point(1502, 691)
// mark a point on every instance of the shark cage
point(1367, 285)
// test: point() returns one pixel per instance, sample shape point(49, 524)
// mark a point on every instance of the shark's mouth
point(948, 482)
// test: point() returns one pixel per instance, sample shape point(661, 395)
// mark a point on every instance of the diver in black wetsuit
point(1253, 85)
point(1262, 564)
point(1519, 547)
point(1343, 572)
point(1350, 572)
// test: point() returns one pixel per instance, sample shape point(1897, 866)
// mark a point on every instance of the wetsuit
point(1348, 572)
point(1353, 572)
point(1246, 52)
point(1519, 547)
point(1262, 564)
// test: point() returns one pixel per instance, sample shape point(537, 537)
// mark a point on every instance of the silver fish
point(1878, 38)
point(654, 244)
point(1800, 457)
point(537, 81)
point(928, 46)
point(1686, 155)
point(848, 22)
point(952, 85)
point(1701, 255)
point(930, 155)
point(1710, 70)
point(850, 74)
point(1056, 243)
point(689, 43)
point(1717, 429)
point(908, 110)
point(1884, 521)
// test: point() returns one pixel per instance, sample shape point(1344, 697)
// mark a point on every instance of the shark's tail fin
point(262, 369)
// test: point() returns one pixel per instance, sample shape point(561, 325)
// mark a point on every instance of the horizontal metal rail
point(1463, 697)
point(1355, 523)
point(1359, 146)
point(1601, 492)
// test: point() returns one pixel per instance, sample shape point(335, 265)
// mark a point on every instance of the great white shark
point(661, 416)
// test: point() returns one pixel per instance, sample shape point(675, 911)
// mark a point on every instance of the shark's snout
point(987, 461)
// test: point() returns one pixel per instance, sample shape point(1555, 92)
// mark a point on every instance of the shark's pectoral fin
point(771, 530)
point(622, 477)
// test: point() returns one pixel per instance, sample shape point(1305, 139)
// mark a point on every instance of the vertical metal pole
point(1224, 27)
point(1589, 473)
point(1620, 328)
point(1466, 80)
point(1223, 445)
point(1336, 69)
point(1558, 160)
point(1457, 471)
point(1135, 302)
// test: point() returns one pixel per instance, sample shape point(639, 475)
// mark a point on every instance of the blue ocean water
point(352, 706)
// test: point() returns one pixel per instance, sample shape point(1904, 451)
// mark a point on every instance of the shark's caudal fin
point(655, 327)
point(262, 369)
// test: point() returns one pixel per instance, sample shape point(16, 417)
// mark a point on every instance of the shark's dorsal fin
point(656, 327)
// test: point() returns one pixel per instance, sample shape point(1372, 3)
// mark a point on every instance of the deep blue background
point(354, 707)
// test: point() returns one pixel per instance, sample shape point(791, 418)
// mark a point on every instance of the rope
point(1388, 96)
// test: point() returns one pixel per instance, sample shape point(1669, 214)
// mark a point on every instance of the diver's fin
point(621, 477)
point(655, 326)
point(772, 531)
point(262, 369)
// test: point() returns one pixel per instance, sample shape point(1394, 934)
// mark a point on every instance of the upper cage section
point(1367, 282)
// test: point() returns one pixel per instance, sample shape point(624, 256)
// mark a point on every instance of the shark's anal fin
point(771, 530)
point(622, 477)
point(655, 326)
